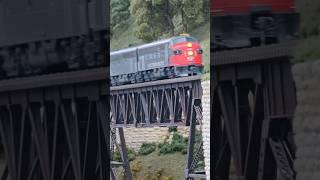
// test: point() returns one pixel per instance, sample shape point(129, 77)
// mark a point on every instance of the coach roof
point(129, 49)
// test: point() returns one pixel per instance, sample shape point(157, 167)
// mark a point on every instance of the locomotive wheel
point(307, 121)
point(255, 41)
point(171, 73)
point(146, 77)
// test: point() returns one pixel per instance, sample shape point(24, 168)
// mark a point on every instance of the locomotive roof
point(146, 45)
point(163, 41)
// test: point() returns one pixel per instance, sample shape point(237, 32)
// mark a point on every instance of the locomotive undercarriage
point(254, 29)
point(51, 56)
point(156, 74)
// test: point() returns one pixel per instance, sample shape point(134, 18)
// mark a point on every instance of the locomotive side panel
point(247, 23)
point(153, 56)
point(98, 15)
point(230, 31)
point(123, 63)
point(38, 20)
point(242, 6)
point(43, 36)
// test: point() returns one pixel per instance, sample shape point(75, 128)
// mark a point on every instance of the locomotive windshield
point(183, 39)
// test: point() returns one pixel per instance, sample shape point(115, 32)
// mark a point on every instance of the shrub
point(165, 148)
point(178, 144)
point(131, 155)
point(147, 148)
point(173, 129)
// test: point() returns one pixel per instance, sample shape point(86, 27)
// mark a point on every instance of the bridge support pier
point(122, 150)
point(194, 153)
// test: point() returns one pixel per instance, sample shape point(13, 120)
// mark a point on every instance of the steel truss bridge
point(171, 102)
point(55, 127)
point(252, 105)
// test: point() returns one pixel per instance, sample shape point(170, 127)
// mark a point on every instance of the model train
point(40, 37)
point(169, 58)
point(247, 23)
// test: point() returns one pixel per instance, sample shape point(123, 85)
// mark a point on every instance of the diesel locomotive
point(169, 58)
point(248, 23)
point(41, 37)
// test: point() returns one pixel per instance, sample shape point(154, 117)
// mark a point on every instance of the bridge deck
point(156, 83)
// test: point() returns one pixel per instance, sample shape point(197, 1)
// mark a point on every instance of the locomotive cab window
point(183, 39)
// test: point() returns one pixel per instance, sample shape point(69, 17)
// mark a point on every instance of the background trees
point(119, 13)
point(154, 19)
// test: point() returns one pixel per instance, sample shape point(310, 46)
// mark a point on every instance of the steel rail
point(156, 83)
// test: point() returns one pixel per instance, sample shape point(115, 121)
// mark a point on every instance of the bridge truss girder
point(164, 103)
point(252, 111)
point(55, 131)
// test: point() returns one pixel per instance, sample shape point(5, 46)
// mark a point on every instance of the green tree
point(192, 13)
point(120, 13)
point(310, 12)
point(153, 18)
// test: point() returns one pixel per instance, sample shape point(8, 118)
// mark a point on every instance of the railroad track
point(253, 54)
point(156, 83)
point(79, 76)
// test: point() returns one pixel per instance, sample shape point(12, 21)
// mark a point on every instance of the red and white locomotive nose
point(186, 55)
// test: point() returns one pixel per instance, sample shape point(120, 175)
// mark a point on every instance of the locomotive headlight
point(189, 45)
point(190, 53)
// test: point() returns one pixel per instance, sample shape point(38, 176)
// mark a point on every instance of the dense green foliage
point(178, 144)
point(147, 148)
point(173, 129)
point(310, 13)
point(155, 19)
point(119, 13)
point(131, 155)
point(152, 18)
point(158, 18)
